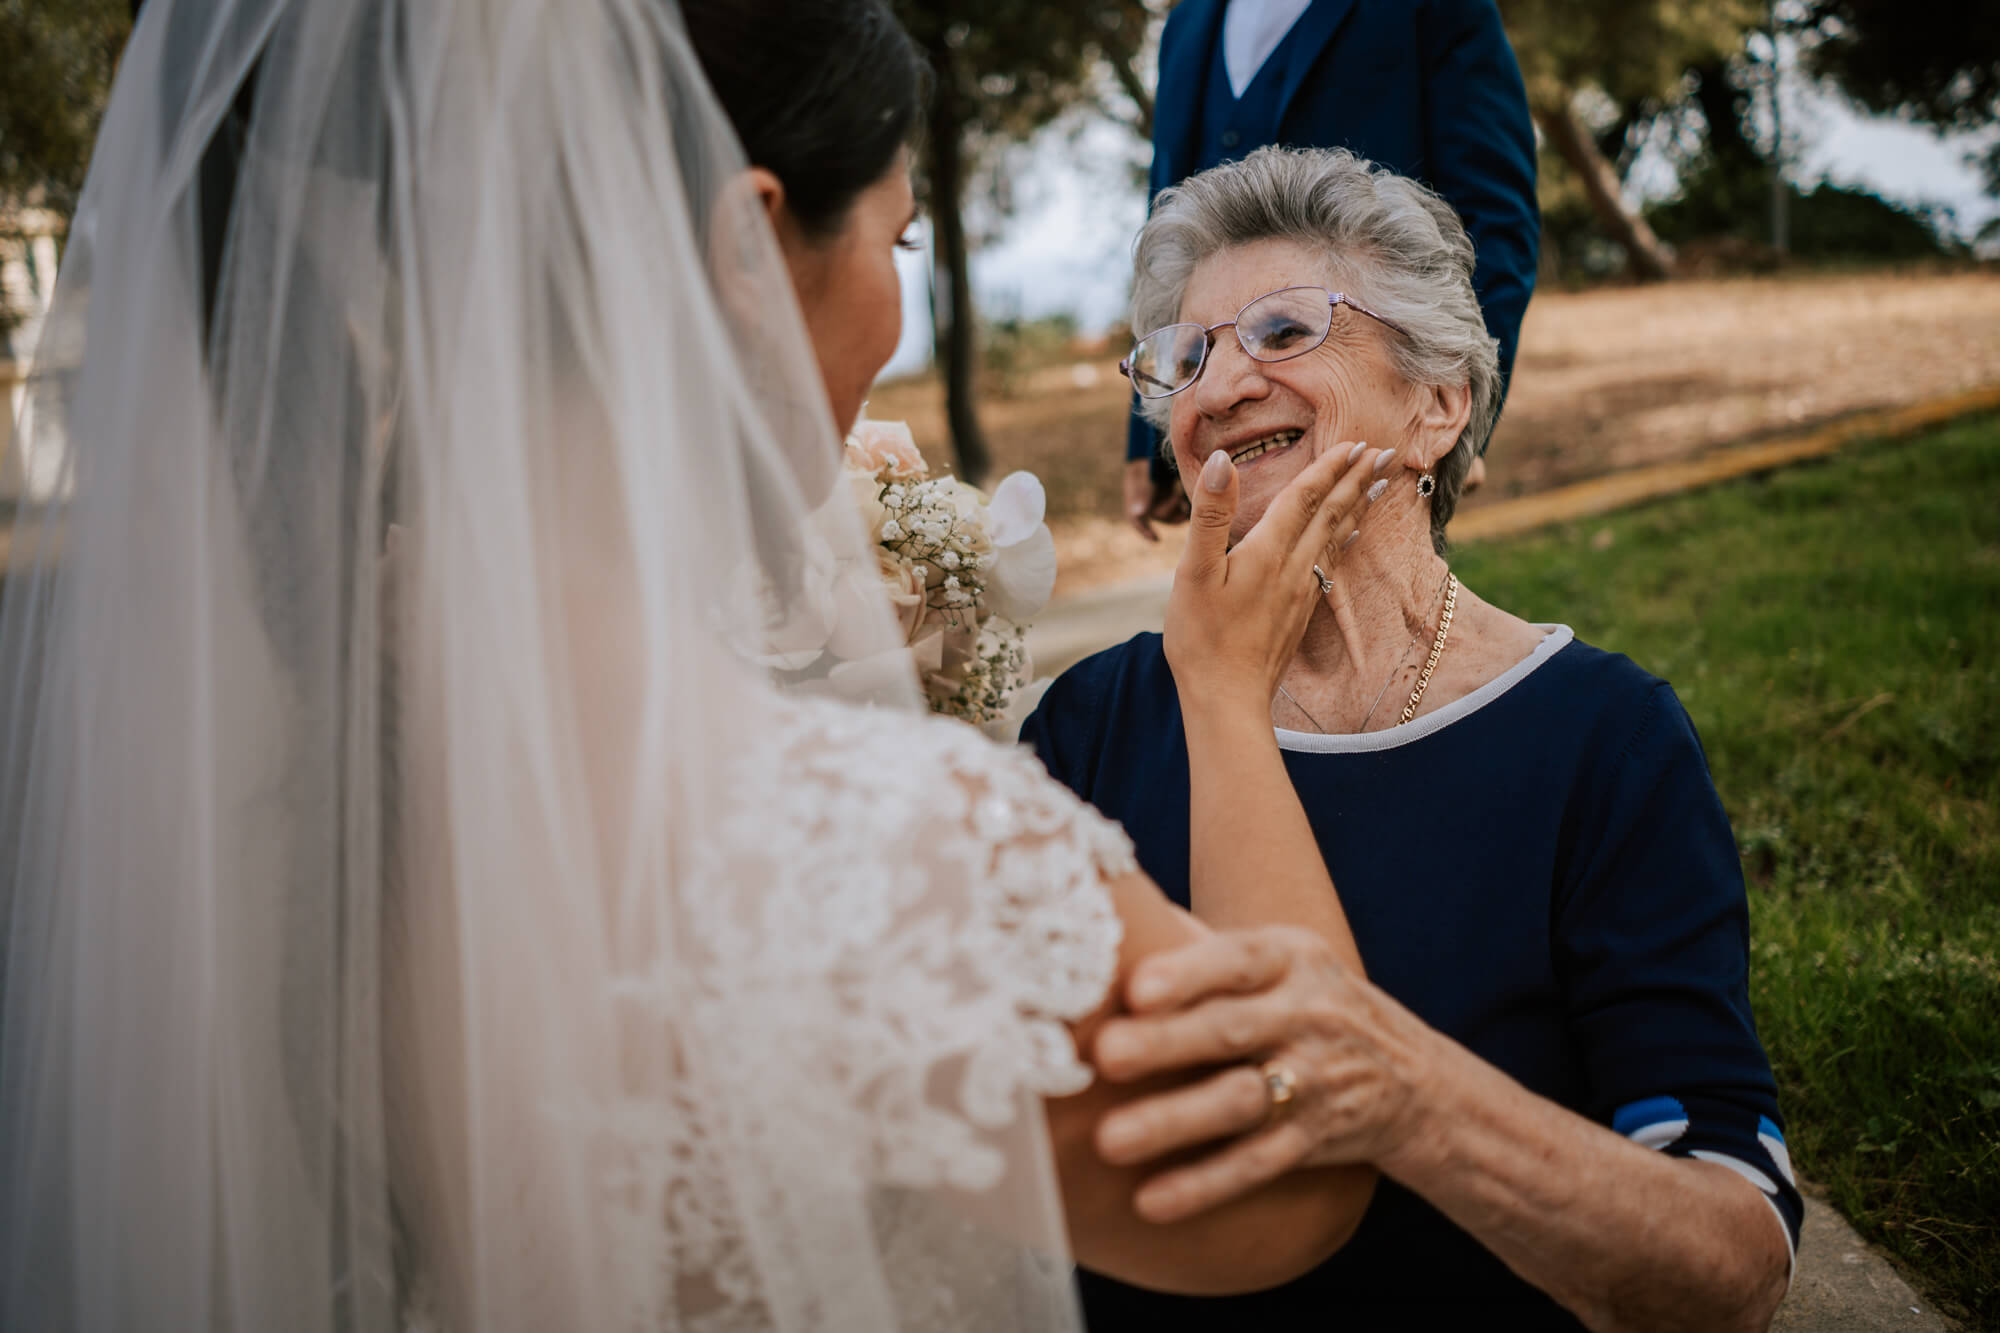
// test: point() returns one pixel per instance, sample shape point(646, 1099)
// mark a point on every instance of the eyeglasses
point(1275, 327)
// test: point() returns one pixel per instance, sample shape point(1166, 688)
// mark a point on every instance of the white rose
point(866, 596)
point(867, 492)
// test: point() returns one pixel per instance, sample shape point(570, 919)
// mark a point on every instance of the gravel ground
point(1606, 380)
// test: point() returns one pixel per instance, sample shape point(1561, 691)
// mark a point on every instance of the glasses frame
point(1208, 332)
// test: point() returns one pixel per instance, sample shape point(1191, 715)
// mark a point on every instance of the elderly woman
point(1551, 1059)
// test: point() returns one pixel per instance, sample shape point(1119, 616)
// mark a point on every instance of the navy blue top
point(1543, 872)
point(1427, 88)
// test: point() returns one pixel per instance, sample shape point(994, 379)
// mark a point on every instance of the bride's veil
point(427, 472)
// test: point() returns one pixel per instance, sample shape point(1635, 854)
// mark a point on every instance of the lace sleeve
point(910, 914)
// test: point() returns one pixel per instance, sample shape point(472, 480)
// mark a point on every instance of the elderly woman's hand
point(1236, 616)
point(1624, 1236)
point(1250, 1002)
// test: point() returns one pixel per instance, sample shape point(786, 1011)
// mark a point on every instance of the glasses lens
point(1166, 360)
point(1285, 324)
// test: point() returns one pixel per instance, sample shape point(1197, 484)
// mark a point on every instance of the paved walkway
point(1842, 1285)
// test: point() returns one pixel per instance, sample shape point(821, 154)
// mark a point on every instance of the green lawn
point(1835, 632)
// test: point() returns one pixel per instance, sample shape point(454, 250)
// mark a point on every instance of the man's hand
point(1148, 502)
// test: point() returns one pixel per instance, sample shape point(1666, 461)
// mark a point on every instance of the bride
point(424, 903)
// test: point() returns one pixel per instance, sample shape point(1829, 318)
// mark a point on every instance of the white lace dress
point(887, 931)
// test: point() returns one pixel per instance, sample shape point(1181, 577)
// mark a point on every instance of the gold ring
point(1281, 1086)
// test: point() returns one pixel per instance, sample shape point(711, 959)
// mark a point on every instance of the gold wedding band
point(1325, 583)
point(1281, 1085)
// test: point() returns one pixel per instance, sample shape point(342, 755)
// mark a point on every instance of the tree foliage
point(1938, 61)
point(1001, 70)
point(1634, 56)
point(1632, 52)
point(56, 62)
point(1011, 66)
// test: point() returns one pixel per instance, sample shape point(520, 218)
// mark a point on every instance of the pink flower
point(886, 449)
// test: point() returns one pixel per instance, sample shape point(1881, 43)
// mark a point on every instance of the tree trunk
point(1722, 107)
point(955, 325)
point(1567, 135)
point(1135, 88)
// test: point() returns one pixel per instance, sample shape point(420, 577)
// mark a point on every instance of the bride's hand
point(1235, 617)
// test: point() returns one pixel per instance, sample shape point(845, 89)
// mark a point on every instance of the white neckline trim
point(1556, 638)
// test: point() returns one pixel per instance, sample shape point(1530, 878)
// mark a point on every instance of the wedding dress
point(434, 893)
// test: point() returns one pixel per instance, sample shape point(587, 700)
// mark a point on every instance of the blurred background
point(1754, 215)
point(1763, 221)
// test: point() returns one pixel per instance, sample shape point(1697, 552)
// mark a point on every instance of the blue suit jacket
point(1427, 88)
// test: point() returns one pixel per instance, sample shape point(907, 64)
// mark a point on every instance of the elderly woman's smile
point(1265, 445)
point(1287, 367)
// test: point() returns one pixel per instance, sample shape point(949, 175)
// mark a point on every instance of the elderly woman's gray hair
point(1393, 245)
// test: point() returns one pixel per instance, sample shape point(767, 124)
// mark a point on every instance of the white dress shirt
point(1251, 30)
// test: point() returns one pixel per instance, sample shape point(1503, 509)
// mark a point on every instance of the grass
point(1835, 632)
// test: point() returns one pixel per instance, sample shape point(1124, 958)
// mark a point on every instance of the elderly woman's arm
point(1625, 1237)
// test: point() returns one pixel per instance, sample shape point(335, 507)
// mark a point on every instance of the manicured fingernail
point(1355, 452)
point(1215, 472)
point(1352, 538)
point(1383, 461)
point(1376, 491)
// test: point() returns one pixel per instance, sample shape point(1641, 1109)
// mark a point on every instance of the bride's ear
point(760, 188)
point(750, 220)
point(770, 192)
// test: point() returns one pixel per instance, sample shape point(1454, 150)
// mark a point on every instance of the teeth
point(1269, 444)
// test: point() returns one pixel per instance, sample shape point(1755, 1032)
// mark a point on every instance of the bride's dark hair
point(822, 93)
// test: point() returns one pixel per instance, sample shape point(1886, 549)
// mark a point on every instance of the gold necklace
point(1437, 648)
point(1447, 591)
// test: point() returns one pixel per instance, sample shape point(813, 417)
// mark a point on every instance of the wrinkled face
point(848, 290)
point(1276, 417)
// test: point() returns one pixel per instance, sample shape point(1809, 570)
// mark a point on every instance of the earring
point(1426, 483)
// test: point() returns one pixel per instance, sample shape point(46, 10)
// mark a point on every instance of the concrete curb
point(1622, 490)
point(1843, 1286)
point(1071, 628)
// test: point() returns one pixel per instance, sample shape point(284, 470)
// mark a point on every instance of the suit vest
point(1232, 126)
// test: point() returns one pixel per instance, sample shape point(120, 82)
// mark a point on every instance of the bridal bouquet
point(965, 571)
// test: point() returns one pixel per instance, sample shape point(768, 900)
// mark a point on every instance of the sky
point(1078, 202)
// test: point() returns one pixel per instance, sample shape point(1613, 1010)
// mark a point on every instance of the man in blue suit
point(1427, 88)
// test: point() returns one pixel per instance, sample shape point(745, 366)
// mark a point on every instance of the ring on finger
point(1281, 1087)
point(1325, 583)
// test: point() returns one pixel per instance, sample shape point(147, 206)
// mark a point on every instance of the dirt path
point(1606, 380)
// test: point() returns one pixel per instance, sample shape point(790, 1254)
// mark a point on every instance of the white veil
point(441, 459)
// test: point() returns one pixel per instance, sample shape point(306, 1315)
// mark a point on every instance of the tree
point(1001, 69)
point(1938, 62)
point(56, 62)
point(1638, 55)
